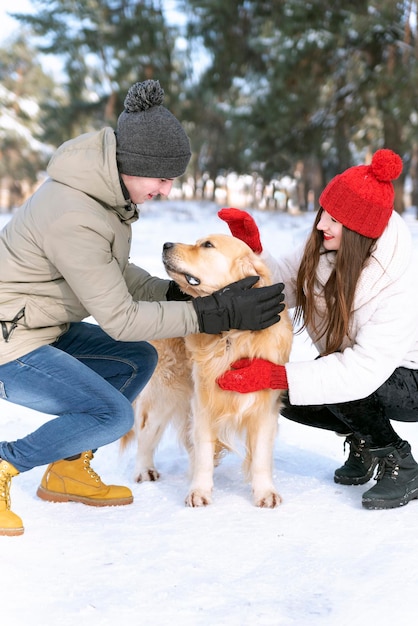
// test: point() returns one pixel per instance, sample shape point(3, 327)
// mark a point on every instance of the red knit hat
point(362, 197)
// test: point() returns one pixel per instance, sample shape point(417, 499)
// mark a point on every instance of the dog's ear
point(252, 265)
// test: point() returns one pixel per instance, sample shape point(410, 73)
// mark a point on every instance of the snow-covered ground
point(318, 559)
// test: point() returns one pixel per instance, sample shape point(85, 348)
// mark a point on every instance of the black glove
point(175, 293)
point(239, 306)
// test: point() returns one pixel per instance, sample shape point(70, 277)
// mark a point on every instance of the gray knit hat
point(151, 142)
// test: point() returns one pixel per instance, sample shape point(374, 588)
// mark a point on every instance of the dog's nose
point(168, 245)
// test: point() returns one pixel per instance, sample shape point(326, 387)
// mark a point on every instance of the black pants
point(368, 418)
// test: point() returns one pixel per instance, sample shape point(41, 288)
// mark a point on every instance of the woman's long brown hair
point(339, 290)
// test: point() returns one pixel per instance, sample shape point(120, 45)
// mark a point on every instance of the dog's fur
point(183, 389)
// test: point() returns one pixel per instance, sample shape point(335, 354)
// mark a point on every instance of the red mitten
point(249, 375)
point(242, 226)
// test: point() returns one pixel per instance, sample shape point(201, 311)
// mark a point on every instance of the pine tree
point(327, 80)
point(24, 87)
point(106, 45)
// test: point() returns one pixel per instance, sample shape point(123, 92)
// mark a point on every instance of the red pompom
point(386, 165)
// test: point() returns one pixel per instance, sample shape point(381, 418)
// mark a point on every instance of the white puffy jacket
point(384, 330)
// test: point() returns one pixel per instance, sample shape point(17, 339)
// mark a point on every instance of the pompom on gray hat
point(150, 141)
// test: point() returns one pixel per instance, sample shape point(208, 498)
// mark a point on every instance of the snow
point(318, 559)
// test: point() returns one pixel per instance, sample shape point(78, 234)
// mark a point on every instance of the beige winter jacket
point(64, 256)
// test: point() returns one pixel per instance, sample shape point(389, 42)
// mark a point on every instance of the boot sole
point(51, 496)
point(347, 480)
point(390, 504)
point(11, 532)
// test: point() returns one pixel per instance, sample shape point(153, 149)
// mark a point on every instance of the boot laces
point(388, 466)
point(5, 480)
point(356, 446)
point(90, 471)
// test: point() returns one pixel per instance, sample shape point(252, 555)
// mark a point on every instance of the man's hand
point(175, 293)
point(238, 306)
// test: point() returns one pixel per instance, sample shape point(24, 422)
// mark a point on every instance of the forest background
point(277, 97)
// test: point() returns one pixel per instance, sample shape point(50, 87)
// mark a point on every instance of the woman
point(354, 289)
point(64, 256)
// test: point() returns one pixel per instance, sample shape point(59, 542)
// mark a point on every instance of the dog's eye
point(207, 244)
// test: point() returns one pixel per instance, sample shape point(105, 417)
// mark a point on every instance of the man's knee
point(123, 420)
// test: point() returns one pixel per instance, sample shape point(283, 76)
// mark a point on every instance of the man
point(65, 256)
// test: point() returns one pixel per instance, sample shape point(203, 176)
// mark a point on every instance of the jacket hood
point(88, 164)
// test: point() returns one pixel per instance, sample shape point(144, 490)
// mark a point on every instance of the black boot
point(397, 478)
point(359, 467)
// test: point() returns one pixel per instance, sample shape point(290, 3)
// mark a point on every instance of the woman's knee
point(316, 416)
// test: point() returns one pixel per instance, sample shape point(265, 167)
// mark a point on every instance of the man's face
point(142, 188)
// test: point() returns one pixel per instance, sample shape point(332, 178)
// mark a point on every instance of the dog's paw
point(198, 497)
point(147, 474)
point(269, 500)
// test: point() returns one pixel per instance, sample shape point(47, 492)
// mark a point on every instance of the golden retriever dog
point(183, 390)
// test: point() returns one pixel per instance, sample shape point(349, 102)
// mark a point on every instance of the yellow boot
point(76, 481)
point(10, 523)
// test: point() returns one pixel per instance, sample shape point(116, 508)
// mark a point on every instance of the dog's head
point(212, 263)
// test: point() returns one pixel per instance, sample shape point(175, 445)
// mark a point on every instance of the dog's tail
point(126, 440)
point(127, 437)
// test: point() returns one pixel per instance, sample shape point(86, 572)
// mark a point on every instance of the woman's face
point(331, 231)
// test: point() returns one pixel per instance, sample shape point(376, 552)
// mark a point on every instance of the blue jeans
point(88, 381)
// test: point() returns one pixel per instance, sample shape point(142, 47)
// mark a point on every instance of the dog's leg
point(150, 424)
point(260, 440)
point(200, 493)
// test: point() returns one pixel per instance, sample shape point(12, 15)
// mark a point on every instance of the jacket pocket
point(7, 327)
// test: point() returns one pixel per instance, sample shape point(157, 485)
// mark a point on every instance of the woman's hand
point(247, 375)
